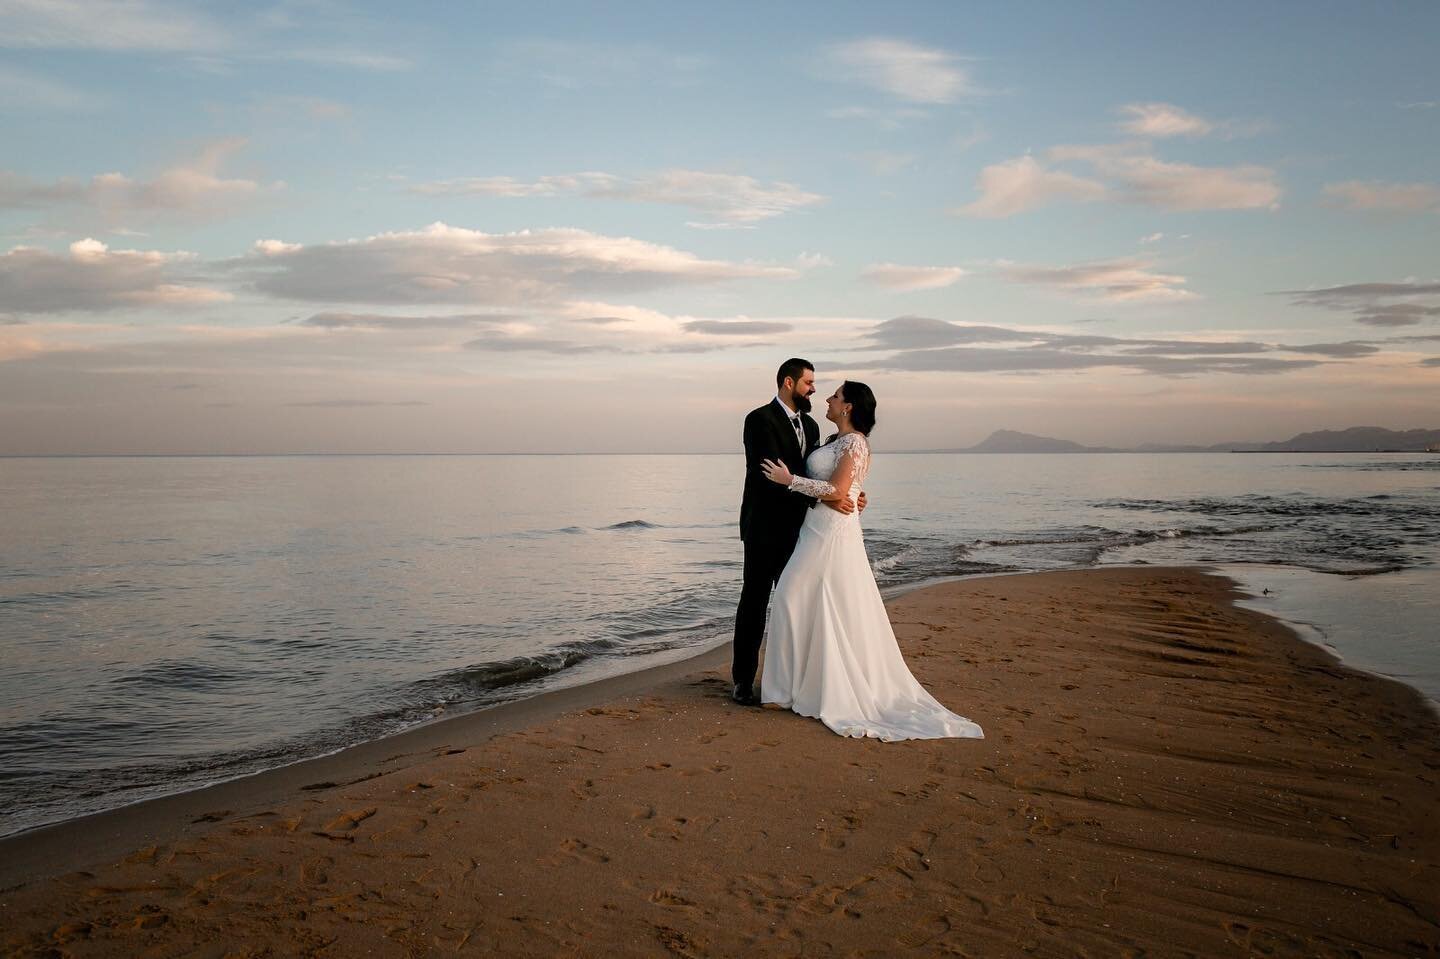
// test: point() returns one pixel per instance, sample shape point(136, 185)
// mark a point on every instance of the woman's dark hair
point(862, 405)
point(792, 368)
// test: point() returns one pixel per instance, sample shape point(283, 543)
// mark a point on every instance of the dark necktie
point(799, 433)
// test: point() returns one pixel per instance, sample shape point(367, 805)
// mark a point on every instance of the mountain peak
point(1013, 441)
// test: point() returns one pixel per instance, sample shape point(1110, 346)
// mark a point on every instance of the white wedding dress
point(831, 653)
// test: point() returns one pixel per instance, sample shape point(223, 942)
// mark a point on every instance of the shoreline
point(50, 850)
point(153, 819)
point(503, 721)
point(1163, 770)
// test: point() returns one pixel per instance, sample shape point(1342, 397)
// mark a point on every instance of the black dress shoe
point(745, 696)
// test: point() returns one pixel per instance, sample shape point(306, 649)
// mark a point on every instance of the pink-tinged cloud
point(92, 277)
point(445, 264)
point(729, 198)
point(894, 276)
point(901, 68)
point(1119, 281)
point(194, 188)
point(1382, 197)
point(1162, 120)
point(1023, 183)
point(1139, 177)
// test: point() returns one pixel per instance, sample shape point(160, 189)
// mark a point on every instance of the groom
point(771, 515)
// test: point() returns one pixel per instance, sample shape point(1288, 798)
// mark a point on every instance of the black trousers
point(765, 558)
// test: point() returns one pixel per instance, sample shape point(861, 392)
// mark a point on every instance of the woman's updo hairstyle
point(862, 405)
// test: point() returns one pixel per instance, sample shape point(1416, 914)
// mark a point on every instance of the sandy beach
point(1164, 774)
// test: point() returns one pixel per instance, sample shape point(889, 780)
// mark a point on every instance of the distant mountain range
point(1357, 439)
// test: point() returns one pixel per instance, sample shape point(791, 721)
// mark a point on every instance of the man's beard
point(802, 403)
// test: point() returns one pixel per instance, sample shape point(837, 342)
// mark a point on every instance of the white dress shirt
point(795, 421)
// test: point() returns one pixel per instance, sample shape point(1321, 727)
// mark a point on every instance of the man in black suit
point(771, 515)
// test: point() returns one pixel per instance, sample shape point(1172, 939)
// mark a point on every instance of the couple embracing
point(831, 653)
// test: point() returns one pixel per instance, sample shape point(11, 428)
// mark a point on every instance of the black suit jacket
point(769, 511)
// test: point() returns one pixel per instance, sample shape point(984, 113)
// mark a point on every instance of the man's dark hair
point(792, 368)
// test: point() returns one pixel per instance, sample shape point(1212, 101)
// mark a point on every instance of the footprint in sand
point(913, 858)
point(924, 933)
point(835, 833)
point(848, 899)
point(316, 872)
point(574, 851)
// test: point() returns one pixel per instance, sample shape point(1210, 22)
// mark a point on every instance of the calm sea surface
point(171, 622)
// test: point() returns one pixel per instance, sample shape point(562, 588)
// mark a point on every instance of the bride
point(831, 653)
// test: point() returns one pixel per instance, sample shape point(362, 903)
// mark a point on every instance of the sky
point(316, 227)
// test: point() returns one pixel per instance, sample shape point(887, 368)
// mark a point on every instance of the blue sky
point(326, 227)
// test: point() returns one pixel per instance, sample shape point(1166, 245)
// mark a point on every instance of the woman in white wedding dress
point(830, 651)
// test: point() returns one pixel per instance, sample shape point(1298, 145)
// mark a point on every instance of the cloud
point(445, 264)
point(928, 344)
point(194, 188)
point(1367, 302)
point(1127, 172)
point(904, 69)
point(1185, 347)
point(356, 404)
point(1431, 361)
point(498, 342)
point(1127, 280)
point(375, 321)
point(1353, 292)
point(923, 332)
point(1379, 196)
point(1021, 184)
point(93, 277)
point(118, 25)
point(1351, 349)
point(981, 360)
point(1136, 176)
point(1162, 120)
point(729, 198)
point(736, 327)
point(920, 332)
point(1395, 314)
point(893, 276)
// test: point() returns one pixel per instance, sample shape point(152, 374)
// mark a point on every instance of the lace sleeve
point(819, 489)
point(850, 467)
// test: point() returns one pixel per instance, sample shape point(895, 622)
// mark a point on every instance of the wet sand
point(1164, 774)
